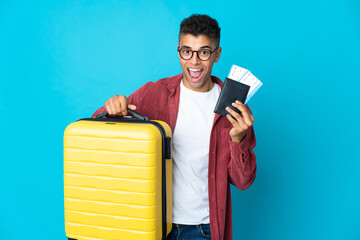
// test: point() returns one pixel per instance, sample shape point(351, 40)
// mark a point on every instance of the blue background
point(61, 60)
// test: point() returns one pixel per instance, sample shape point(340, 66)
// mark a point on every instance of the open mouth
point(195, 74)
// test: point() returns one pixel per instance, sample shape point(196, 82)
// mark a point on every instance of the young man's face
point(197, 73)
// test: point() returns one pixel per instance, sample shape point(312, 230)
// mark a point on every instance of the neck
point(205, 88)
point(211, 85)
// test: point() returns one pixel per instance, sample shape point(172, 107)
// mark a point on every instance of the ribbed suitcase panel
point(80, 231)
point(109, 208)
point(110, 157)
point(110, 170)
point(110, 183)
point(102, 220)
point(109, 144)
point(122, 197)
point(112, 179)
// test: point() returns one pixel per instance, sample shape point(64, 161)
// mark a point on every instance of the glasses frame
point(197, 53)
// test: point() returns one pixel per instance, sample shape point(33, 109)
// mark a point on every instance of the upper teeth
point(195, 70)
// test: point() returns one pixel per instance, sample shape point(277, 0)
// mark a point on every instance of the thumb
point(132, 107)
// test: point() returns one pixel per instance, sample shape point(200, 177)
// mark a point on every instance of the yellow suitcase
point(117, 179)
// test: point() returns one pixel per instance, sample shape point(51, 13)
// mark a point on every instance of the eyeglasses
point(203, 54)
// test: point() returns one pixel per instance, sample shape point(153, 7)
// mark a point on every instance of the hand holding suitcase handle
point(135, 114)
point(118, 106)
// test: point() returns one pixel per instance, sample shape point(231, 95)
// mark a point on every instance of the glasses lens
point(185, 53)
point(204, 54)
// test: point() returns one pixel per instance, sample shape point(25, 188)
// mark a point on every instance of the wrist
point(239, 138)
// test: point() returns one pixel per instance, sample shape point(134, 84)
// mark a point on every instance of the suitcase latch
point(168, 148)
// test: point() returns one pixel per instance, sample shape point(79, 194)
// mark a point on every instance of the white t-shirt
point(191, 141)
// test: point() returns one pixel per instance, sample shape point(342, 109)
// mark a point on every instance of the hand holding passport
point(240, 85)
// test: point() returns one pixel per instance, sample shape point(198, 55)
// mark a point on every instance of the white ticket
point(244, 76)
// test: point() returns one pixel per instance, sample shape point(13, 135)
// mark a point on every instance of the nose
point(195, 59)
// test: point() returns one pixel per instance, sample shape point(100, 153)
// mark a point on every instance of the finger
point(233, 113)
point(242, 107)
point(235, 123)
point(132, 107)
point(232, 121)
point(113, 106)
point(108, 107)
point(117, 104)
point(244, 111)
point(238, 118)
point(124, 103)
point(245, 114)
point(252, 118)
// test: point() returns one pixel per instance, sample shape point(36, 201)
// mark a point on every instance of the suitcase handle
point(135, 114)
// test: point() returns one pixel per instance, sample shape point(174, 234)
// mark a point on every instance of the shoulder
point(168, 82)
point(217, 81)
point(157, 89)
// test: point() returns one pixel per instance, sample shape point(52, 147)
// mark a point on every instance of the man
point(209, 151)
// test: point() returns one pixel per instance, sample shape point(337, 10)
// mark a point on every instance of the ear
point(218, 53)
point(178, 49)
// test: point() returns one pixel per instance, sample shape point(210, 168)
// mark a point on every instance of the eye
point(186, 51)
point(204, 52)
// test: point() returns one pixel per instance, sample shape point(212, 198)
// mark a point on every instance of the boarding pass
point(244, 76)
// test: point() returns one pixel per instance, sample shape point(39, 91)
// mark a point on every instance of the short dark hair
point(198, 24)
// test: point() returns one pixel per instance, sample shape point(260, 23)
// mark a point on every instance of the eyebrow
point(203, 47)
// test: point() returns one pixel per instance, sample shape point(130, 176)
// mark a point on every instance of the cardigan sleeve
point(242, 164)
